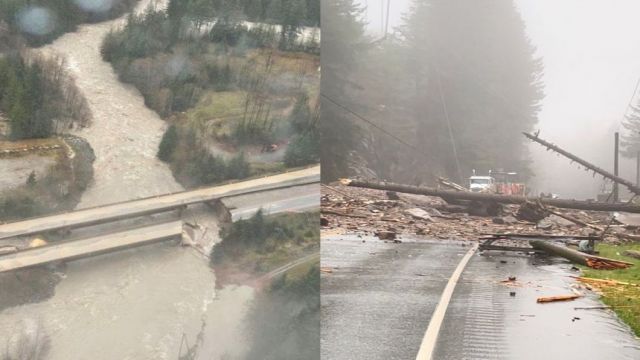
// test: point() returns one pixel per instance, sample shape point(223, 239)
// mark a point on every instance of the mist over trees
point(451, 89)
point(631, 138)
point(342, 52)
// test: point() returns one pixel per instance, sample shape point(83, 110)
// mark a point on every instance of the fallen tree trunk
point(505, 199)
point(540, 236)
point(595, 262)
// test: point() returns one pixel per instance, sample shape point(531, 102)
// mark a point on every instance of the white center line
point(431, 335)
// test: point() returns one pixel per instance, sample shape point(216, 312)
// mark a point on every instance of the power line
point(446, 116)
point(367, 121)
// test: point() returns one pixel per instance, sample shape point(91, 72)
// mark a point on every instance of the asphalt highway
point(379, 297)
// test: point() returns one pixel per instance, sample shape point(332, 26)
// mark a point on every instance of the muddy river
point(145, 303)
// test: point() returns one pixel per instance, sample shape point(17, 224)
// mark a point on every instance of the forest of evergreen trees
point(42, 21)
point(168, 56)
point(156, 34)
point(453, 88)
point(286, 12)
point(38, 97)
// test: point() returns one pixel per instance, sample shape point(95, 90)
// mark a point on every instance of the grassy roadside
point(624, 300)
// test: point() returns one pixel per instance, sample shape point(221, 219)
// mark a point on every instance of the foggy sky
point(591, 54)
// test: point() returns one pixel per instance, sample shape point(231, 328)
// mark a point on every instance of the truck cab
point(482, 184)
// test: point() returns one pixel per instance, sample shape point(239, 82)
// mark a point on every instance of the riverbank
point(238, 104)
point(252, 248)
point(56, 189)
point(147, 300)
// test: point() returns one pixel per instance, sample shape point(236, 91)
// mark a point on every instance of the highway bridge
point(291, 191)
point(157, 204)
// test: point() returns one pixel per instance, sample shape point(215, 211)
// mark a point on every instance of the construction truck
point(497, 182)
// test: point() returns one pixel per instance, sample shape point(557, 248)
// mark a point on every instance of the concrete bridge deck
point(92, 246)
point(156, 204)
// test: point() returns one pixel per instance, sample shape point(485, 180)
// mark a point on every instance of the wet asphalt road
point(377, 303)
point(485, 322)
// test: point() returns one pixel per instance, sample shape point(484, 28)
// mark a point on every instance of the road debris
point(367, 211)
point(385, 235)
point(592, 261)
point(532, 211)
point(603, 282)
point(419, 214)
point(632, 253)
point(548, 299)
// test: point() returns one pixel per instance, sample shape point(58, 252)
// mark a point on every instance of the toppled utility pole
point(449, 195)
point(578, 257)
point(631, 186)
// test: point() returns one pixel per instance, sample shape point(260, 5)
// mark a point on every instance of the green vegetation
point(305, 145)
point(38, 98)
point(226, 86)
point(262, 243)
point(42, 21)
point(292, 12)
point(284, 322)
point(168, 144)
point(193, 165)
point(59, 190)
point(173, 63)
point(624, 300)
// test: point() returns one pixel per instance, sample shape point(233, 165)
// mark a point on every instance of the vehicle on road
point(497, 182)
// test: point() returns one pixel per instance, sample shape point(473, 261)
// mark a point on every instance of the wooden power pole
point(615, 165)
point(638, 168)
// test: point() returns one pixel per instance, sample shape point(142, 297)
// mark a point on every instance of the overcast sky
point(591, 55)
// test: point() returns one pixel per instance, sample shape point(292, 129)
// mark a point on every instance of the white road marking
point(431, 335)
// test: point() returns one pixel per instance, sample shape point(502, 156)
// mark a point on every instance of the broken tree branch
point(450, 184)
point(574, 220)
point(631, 186)
point(505, 199)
